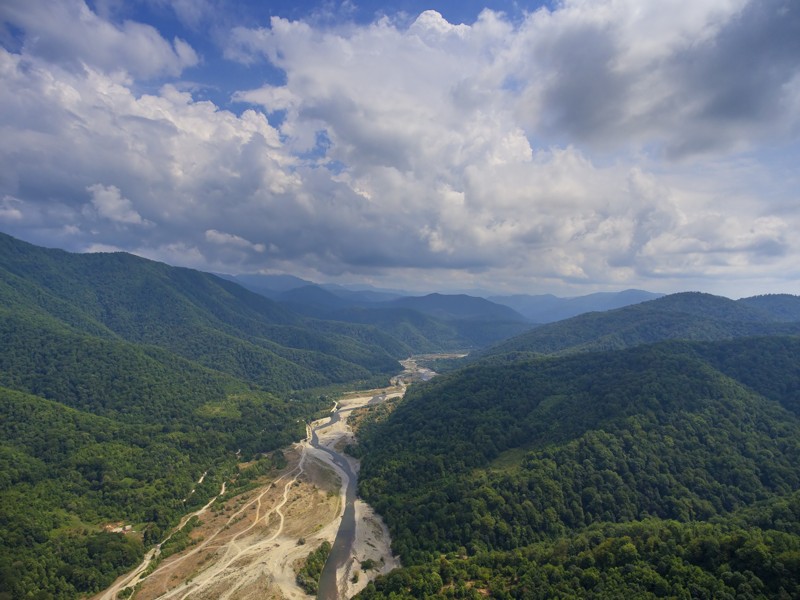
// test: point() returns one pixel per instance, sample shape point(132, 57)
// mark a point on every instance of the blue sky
point(206, 25)
point(563, 147)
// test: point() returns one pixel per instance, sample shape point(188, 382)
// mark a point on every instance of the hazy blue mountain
point(548, 308)
point(273, 286)
point(268, 285)
point(459, 306)
point(364, 296)
point(435, 323)
point(325, 299)
point(313, 300)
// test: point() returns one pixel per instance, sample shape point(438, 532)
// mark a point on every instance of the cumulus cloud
point(69, 33)
point(228, 239)
point(73, 137)
point(108, 203)
point(438, 120)
point(710, 77)
point(608, 143)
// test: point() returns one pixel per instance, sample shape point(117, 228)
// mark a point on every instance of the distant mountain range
point(544, 308)
point(548, 308)
point(430, 323)
point(273, 285)
point(267, 285)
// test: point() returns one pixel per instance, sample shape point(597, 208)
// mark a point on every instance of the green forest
point(64, 473)
point(665, 470)
point(308, 575)
point(683, 316)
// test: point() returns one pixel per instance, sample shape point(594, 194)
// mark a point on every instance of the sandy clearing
point(372, 541)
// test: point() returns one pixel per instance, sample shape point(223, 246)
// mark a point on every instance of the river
point(343, 544)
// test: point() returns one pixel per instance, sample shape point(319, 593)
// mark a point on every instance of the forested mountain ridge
point(111, 431)
point(458, 307)
point(666, 470)
point(425, 324)
point(687, 316)
point(199, 316)
point(781, 307)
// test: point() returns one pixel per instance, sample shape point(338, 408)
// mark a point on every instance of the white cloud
point(10, 209)
point(100, 248)
point(410, 110)
point(705, 78)
point(228, 239)
point(108, 203)
point(69, 33)
point(531, 154)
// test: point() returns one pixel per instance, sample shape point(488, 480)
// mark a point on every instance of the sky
point(563, 147)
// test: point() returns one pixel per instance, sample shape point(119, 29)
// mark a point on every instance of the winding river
point(343, 544)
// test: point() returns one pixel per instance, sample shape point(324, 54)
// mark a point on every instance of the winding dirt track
point(132, 578)
point(233, 550)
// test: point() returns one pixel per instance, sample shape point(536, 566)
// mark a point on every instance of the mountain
point(548, 308)
point(666, 470)
point(425, 334)
point(449, 307)
point(364, 294)
point(442, 322)
point(314, 300)
point(198, 316)
point(273, 286)
point(781, 307)
point(689, 315)
point(267, 285)
point(433, 323)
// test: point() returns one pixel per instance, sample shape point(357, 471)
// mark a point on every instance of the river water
point(343, 544)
